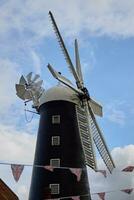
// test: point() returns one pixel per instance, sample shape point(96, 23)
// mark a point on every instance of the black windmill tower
point(66, 133)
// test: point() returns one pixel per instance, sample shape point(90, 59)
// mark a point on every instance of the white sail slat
point(86, 139)
point(100, 142)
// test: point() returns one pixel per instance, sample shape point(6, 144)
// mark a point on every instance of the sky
point(105, 32)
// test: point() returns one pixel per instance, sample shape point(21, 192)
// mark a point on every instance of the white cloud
point(118, 180)
point(32, 124)
point(23, 192)
point(123, 155)
point(36, 62)
point(16, 145)
point(29, 19)
point(115, 112)
point(9, 72)
point(88, 66)
point(117, 116)
point(12, 108)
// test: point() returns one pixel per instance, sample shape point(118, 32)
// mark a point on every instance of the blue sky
point(105, 32)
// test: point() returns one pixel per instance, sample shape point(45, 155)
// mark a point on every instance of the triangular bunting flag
point(17, 171)
point(77, 172)
point(101, 195)
point(48, 167)
point(76, 198)
point(128, 169)
point(128, 191)
point(103, 172)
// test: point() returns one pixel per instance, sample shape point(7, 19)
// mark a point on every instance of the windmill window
point(55, 162)
point(55, 140)
point(56, 119)
point(55, 188)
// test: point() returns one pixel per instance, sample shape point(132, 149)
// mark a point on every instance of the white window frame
point(55, 159)
point(55, 119)
point(58, 189)
point(57, 143)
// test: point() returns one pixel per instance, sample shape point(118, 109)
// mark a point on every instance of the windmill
point(67, 132)
point(29, 88)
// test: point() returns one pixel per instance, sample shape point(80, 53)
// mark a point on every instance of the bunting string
point(17, 170)
point(100, 194)
point(73, 197)
point(126, 169)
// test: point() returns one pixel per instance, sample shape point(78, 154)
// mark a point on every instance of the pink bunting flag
point(77, 172)
point(128, 191)
point(76, 198)
point(48, 167)
point(101, 195)
point(17, 171)
point(103, 172)
point(128, 169)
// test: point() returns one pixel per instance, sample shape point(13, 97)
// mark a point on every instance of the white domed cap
point(58, 93)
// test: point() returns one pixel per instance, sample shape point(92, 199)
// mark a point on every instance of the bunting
point(17, 171)
point(76, 198)
point(103, 172)
point(77, 172)
point(101, 195)
point(48, 167)
point(128, 191)
point(128, 169)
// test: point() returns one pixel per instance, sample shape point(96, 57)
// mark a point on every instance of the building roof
point(6, 193)
point(58, 93)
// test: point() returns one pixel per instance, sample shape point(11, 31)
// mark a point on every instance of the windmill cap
point(59, 93)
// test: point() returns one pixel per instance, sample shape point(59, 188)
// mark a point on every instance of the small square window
point(54, 188)
point(55, 140)
point(56, 119)
point(55, 162)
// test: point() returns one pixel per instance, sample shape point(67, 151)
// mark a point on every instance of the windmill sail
point(99, 142)
point(22, 80)
point(20, 89)
point(29, 77)
point(37, 85)
point(78, 65)
point(30, 89)
point(64, 50)
point(85, 136)
point(63, 79)
point(58, 75)
point(96, 107)
point(37, 76)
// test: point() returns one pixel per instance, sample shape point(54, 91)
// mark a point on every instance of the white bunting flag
point(76, 198)
point(77, 172)
point(17, 171)
point(101, 195)
point(48, 167)
point(103, 172)
point(128, 191)
point(128, 169)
